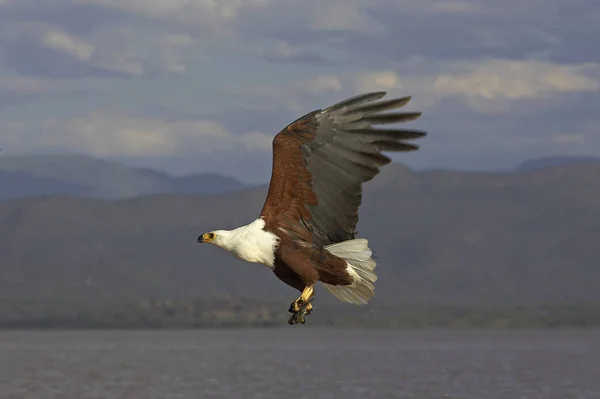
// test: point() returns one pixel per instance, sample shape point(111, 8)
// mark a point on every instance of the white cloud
point(136, 52)
point(22, 87)
point(291, 95)
point(68, 44)
point(102, 133)
point(170, 50)
point(341, 16)
point(258, 141)
point(317, 85)
point(510, 79)
point(406, 47)
point(283, 50)
point(278, 50)
point(487, 86)
point(377, 80)
point(127, 50)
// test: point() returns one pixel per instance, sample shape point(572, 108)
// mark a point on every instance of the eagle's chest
point(260, 247)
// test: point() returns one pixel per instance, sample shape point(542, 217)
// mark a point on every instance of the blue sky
point(203, 85)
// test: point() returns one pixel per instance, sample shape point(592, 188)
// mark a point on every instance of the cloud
point(302, 94)
point(292, 95)
point(461, 7)
point(517, 79)
point(104, 133)
point(136, 77)
point(480, 83)
point(125, 38)
point(45, 50)
point(15, 90)
point(349, 16)
point(19, 85)
point(377, 80)
point(206, 13)
point(442, 29)
point(259, 141)
point(170, 51)
point(137, 52)
point(282, 51)
point(485, 85)
point(317, 85)
point(68, 44)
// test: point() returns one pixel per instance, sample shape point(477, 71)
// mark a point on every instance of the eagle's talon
point(297, 317)
point(309, 309)
point(303, 309)
point(297, 306)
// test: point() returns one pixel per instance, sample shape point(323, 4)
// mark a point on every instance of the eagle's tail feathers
point(360, 265)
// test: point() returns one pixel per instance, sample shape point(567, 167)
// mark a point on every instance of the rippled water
point(299, 363)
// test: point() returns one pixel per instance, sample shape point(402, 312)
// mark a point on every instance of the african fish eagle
point(306, 230)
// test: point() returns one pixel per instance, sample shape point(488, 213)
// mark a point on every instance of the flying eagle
point(306, 230)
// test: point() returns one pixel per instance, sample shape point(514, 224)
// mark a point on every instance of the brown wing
point(321, 160)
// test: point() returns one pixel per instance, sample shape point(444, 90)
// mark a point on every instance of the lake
point(299, 362)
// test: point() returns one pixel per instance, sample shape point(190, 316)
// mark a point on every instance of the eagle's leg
point(303, 300)
point(301, 307)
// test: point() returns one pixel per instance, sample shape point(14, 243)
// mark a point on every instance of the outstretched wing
point(321, 160)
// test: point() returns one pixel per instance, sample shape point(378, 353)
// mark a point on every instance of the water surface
point(298, 363)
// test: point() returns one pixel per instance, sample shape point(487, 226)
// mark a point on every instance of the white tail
point(360, 266)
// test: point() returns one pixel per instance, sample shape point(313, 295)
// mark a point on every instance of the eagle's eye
point(210, 236)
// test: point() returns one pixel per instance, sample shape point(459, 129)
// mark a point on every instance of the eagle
point(306, 231)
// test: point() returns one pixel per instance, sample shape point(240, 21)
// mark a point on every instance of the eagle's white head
point(250, 243)
point(220, 238)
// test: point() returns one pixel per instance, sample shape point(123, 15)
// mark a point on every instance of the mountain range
point(79, 175)
point(555, 160)
point(441, 237)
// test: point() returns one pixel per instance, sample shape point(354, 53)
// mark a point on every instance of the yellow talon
point(301, 307)
point(295, 308)
point(304, 298)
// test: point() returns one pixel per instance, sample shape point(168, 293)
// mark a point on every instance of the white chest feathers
point(249, 243)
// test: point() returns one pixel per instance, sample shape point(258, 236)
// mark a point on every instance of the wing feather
point(321, 160)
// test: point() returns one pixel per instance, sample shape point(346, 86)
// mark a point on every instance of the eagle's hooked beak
point(206, 237)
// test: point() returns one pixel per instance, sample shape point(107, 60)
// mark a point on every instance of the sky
point(193, 86)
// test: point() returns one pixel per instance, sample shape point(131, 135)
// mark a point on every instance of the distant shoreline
point(284, 325)
point(239, 314)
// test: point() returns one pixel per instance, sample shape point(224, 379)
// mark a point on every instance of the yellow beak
point(204, 238)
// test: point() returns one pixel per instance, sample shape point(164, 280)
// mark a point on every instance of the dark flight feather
point(330, 153)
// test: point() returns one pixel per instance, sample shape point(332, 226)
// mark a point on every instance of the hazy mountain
point(35, 175)
point(440, 237)
point(556, 160)
point(16, 184)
